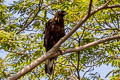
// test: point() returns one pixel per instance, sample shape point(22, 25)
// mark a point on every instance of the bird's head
point(60, 13)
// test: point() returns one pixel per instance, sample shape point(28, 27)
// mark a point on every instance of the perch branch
point(50, 53)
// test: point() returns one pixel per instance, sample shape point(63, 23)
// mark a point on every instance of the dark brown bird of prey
point(54, 31)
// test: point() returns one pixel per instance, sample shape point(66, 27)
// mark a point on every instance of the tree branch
point(57, 45)
point(113, 6)
point(28, 23)
point(78, 53)
point(51, 52)
point(90, 5)
point(44, 57)
point(103, 7)
point(91, 44)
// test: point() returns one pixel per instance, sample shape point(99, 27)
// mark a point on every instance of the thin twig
point(78, 53)
point(90, 69)
point(105, 6)
point(113, 6)
point(28, 23)
point(90, 6)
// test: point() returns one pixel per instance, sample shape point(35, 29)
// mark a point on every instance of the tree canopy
point(92, 39)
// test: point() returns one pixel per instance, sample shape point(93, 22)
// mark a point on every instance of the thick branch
point(57, 45)
point(91, 44)
point(50, 53)
point(44, 57)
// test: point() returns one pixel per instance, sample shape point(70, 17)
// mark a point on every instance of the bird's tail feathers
point(49, 66)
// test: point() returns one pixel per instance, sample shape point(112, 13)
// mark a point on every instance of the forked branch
point(50, 53)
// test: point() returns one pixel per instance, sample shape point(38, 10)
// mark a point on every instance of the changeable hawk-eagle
point(54, 31)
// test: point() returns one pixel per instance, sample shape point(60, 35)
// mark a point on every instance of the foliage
point(27, 45)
